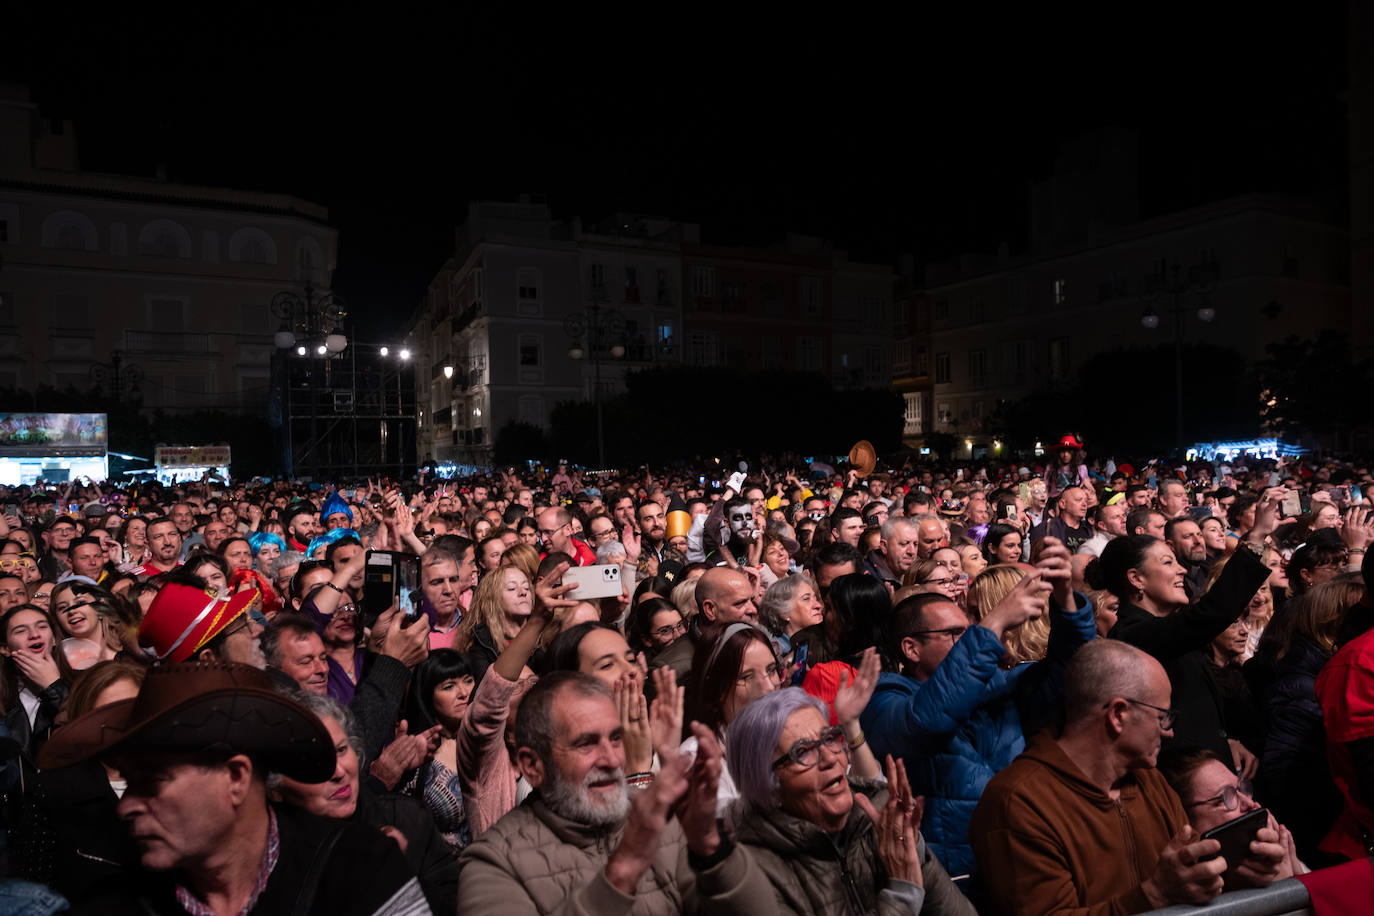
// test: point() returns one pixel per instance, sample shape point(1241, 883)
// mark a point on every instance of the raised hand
point(854, 695)
point(897, 826)
point(1025, 602)
point(1056, 567)
point(634, 723)
point(1358, 529)
point(666, 712)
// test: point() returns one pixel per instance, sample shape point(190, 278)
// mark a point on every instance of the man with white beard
point(581, 844)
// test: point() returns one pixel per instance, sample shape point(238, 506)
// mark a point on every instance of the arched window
point(71, 230)
point(251, 245)
point(163, 238)
point(310, 265)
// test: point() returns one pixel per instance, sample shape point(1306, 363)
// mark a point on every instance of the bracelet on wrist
point(856, 742)
point(335, 587)
point(639, 780)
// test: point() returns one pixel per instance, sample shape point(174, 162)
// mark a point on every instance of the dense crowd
point(786, 687)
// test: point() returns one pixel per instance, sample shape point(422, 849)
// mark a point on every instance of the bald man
point(726, 596)
point(930, 537)
point(1083, 820)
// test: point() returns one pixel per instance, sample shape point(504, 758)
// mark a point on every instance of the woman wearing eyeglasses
point(826, 845)
point(1211, 796)
point(655, 625)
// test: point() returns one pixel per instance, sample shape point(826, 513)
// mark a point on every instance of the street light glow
point(405, 354)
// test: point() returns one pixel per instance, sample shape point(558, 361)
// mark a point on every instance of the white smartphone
point(602, 581)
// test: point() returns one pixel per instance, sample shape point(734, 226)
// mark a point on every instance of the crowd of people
point(905, 688)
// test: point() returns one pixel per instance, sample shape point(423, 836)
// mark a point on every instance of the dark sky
point(885, 135)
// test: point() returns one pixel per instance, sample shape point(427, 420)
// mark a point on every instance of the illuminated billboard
point(24, 435)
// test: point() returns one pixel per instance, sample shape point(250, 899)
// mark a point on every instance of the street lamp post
point(602, 328)
point(313, 326)
point(1173, 282)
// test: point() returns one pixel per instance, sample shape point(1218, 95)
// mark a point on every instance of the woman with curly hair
point(500, 606)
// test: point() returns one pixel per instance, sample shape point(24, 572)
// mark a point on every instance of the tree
point(517, 442)
point(1312, 386)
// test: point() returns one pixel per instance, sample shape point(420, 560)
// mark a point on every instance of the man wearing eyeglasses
point(555, 535)
point(954, 714)
point(1083, 819)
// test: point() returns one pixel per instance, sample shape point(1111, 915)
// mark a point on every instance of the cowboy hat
point(863, 458)
point(1069, 441)
point(200, 706)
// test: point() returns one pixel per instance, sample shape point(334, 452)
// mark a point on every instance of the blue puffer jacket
point(969, 720)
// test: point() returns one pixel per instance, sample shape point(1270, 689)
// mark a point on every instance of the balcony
point(169, 343)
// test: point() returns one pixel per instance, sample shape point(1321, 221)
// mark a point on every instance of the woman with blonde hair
point(524, 558)
point(500, 606)
point(1031, 640)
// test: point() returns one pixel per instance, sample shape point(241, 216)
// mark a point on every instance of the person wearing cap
point(1067, 469)
point(195, 747)
point(188, 621)
point(57, 540)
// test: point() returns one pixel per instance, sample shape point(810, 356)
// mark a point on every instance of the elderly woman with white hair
point(820, 838)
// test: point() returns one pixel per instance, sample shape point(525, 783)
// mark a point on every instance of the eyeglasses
point(603, 535)
point(952, 632)
point(41, 596)
point(671, 630)
point(346, 609)
point(1229, 798)
point(807, 753)
point(939, 582)
point(552, 531)
point(1167, 717)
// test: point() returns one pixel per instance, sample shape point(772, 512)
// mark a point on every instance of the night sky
point(916, 134)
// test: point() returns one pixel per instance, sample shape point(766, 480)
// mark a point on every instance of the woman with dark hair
point(1295, 779)
point(855, 608)
point(439, 693)
point(1154, 616)
point(1320, 559)
point(34, 676)
point(655, 624)
point(69, 834)
point(133, 538)
point(1002, 544)
point(211, 567)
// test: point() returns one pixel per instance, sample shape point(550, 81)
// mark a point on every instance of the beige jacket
point(533, 861)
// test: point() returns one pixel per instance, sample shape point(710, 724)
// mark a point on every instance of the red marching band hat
point(183, 618)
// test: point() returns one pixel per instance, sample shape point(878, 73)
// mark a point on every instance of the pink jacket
point(485, 772)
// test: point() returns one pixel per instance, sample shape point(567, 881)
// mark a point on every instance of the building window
point(631, 284)
point(665, 293)
point(912, 426)
point(977, 312)
point(4, 230)
point(251, 245)
point(531, 351)
point(808, 353)
point(526, 284)
point(874, 313)
point(531, 408)
point(901, 356)
point(701, 348)
point(7, 313)
point(812, 294)
point(732, 297)
point(944, 416)
point(163, 238)
point(941, 368)
point(977, 367)
point(1059, 358)
point(873, 364)
point(1060, 291)
point(772, 352)
point(703, 282)
point(941, 309)
point(922, 361)
point(598, 281)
